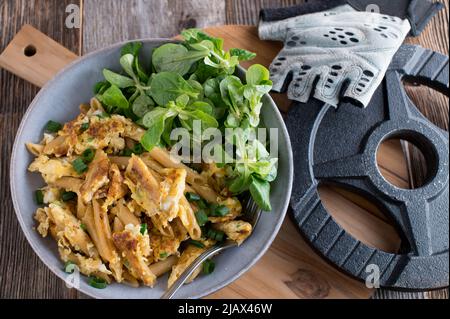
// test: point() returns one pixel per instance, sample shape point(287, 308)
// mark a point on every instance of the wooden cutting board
point(290, 268)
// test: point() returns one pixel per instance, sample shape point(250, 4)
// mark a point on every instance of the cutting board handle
point(34, 56)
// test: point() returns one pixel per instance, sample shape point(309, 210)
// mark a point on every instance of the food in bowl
point(118, 200)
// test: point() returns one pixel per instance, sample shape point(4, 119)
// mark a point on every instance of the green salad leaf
point(195, 81)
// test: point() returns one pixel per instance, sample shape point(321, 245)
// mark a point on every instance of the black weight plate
point(339, 146)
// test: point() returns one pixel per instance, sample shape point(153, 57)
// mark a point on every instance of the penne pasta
point(163, 266)
point(130, 219)
point(124, 215)
point(35, 149)
point(197, 181)
point(187, 217)
point(96, 176)
point(103, 231)
point(71, 184)
point(117, 225)
point(59, 146)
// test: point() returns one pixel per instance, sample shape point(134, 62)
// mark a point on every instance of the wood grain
point(35, 57)
point(246, 12)
point(22, 274)
point(127, 20)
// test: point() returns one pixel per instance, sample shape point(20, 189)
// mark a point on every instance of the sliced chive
point(53, 127)
point(220, 211)
point(83, 227)
point(39, 195)
point(163, 255)
point(208, 266)
point(88, 155)
point(196, 243)
point(79, 166)
point(138, 149)
point(202, 204)
point(84, 127)
point(69, 267)
point(143, 228)
point(126, 152)
point(214, 234)
point(201, 217)
point(98, 283)
point(66, 196)
point(192, 197)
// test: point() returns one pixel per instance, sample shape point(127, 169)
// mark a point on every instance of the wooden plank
point(22, 274)
point(305, 276)
point(34, 56)
point(125, 20)
point(247, 12)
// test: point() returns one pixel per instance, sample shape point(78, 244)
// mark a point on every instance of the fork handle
point(193, 267)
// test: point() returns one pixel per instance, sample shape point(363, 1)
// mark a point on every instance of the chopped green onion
point(196, 243)
point(53, 126)
point(66, 196)
point(220, 211)
point(138, 149)
point(83, 227)
point(143, 228)
point(84, 127)
point(208, 266)
point(88, 155)
point(201, 217)
point(69, 267)
point(163, 255)
point(202, 204)
point(79, 166)
point(98, 283)
point(39, 195)
point(192, 197)
point(214, 234)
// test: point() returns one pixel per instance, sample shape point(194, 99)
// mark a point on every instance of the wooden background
point(22, 275)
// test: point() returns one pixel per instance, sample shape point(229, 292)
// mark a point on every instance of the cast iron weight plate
point(339, 146)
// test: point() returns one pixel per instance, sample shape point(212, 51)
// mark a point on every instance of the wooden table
point(22, 275)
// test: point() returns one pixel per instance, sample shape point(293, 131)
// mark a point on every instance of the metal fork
point(251, 214)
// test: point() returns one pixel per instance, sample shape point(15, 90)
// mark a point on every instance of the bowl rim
point(60, 76)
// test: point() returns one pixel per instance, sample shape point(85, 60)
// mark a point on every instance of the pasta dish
point(119, 207)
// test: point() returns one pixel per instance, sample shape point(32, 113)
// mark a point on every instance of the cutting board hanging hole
point(30, 50)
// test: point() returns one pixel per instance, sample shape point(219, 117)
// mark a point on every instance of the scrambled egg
point(111, 195)
point(234, 207)
point(52, 169)
point(143, 185)
point(171, 190)
point(236, 230)
point(117, 189)
point(164, 246)
point(187, 257)
point(68, 227)
point(134, 248)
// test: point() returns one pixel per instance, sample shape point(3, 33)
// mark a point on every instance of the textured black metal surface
point(339, 146)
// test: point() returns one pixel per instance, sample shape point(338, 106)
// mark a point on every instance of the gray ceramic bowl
point(59, 101)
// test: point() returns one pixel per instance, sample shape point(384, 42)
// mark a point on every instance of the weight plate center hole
point(406, 164)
